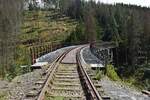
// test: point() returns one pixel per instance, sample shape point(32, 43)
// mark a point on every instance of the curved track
point(66, 79)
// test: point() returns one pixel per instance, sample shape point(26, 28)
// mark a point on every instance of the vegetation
point(33, 27)
point(126, 25)
point(111, 73)
point(45, 26)
point(9, 29)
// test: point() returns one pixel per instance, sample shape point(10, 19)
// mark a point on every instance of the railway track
point(95, 82)
point(93, 87)
point(66, 84)
point(65, 81)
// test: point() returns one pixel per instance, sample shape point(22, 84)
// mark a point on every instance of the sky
point(134, 2)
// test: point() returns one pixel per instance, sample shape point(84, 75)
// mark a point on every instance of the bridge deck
point(70, 58)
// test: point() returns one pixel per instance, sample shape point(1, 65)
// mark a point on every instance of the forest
point(125, 25)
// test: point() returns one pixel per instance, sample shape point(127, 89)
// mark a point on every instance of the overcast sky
point(135, 2)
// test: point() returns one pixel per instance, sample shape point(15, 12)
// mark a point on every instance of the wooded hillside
point(126, 25)
point(22, 28)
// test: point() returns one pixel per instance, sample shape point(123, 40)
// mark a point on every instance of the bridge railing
point(36, 51)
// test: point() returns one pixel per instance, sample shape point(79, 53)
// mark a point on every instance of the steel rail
point(92, 93)
point(146, 92)
point(50, 73)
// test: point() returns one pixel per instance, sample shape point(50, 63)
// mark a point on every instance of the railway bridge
point(65, 74)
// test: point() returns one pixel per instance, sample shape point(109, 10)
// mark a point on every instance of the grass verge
point(111, 73)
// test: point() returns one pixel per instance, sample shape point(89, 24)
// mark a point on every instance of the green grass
point(135, 78)
point(111, 73)
point(131, 81)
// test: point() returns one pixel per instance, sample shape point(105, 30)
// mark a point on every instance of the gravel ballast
point(21, 85)
point(116, 90)
point(89, 57)
point(119, 91)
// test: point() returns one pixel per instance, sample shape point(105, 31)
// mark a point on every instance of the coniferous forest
point(128, 26)
point(125, 25)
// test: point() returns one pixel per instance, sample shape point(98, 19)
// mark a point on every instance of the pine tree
point(90, 24)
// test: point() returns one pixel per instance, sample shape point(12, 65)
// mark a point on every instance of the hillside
point(117, 37)
point(39, 27)
point(45, 26)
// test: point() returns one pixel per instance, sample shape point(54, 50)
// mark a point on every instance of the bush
point(111, 73)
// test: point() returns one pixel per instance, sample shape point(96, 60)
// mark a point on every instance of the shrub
point(111, 73)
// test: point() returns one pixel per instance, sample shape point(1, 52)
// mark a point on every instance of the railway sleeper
point(100, 90)
point(67, 80)
point(71, 82)
point(61, 73)
point(40, 82)
point(67, 88)
point(32, 94)
point(146, 92)
point(52, 97)
point(65, 75)
point(29, 99)
point(36, 88)
point(66, 84)
point(98, 85)
point(62, 92)
point(67, 71)
point(67, 68)
point(69, 77)
point(105, 97)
